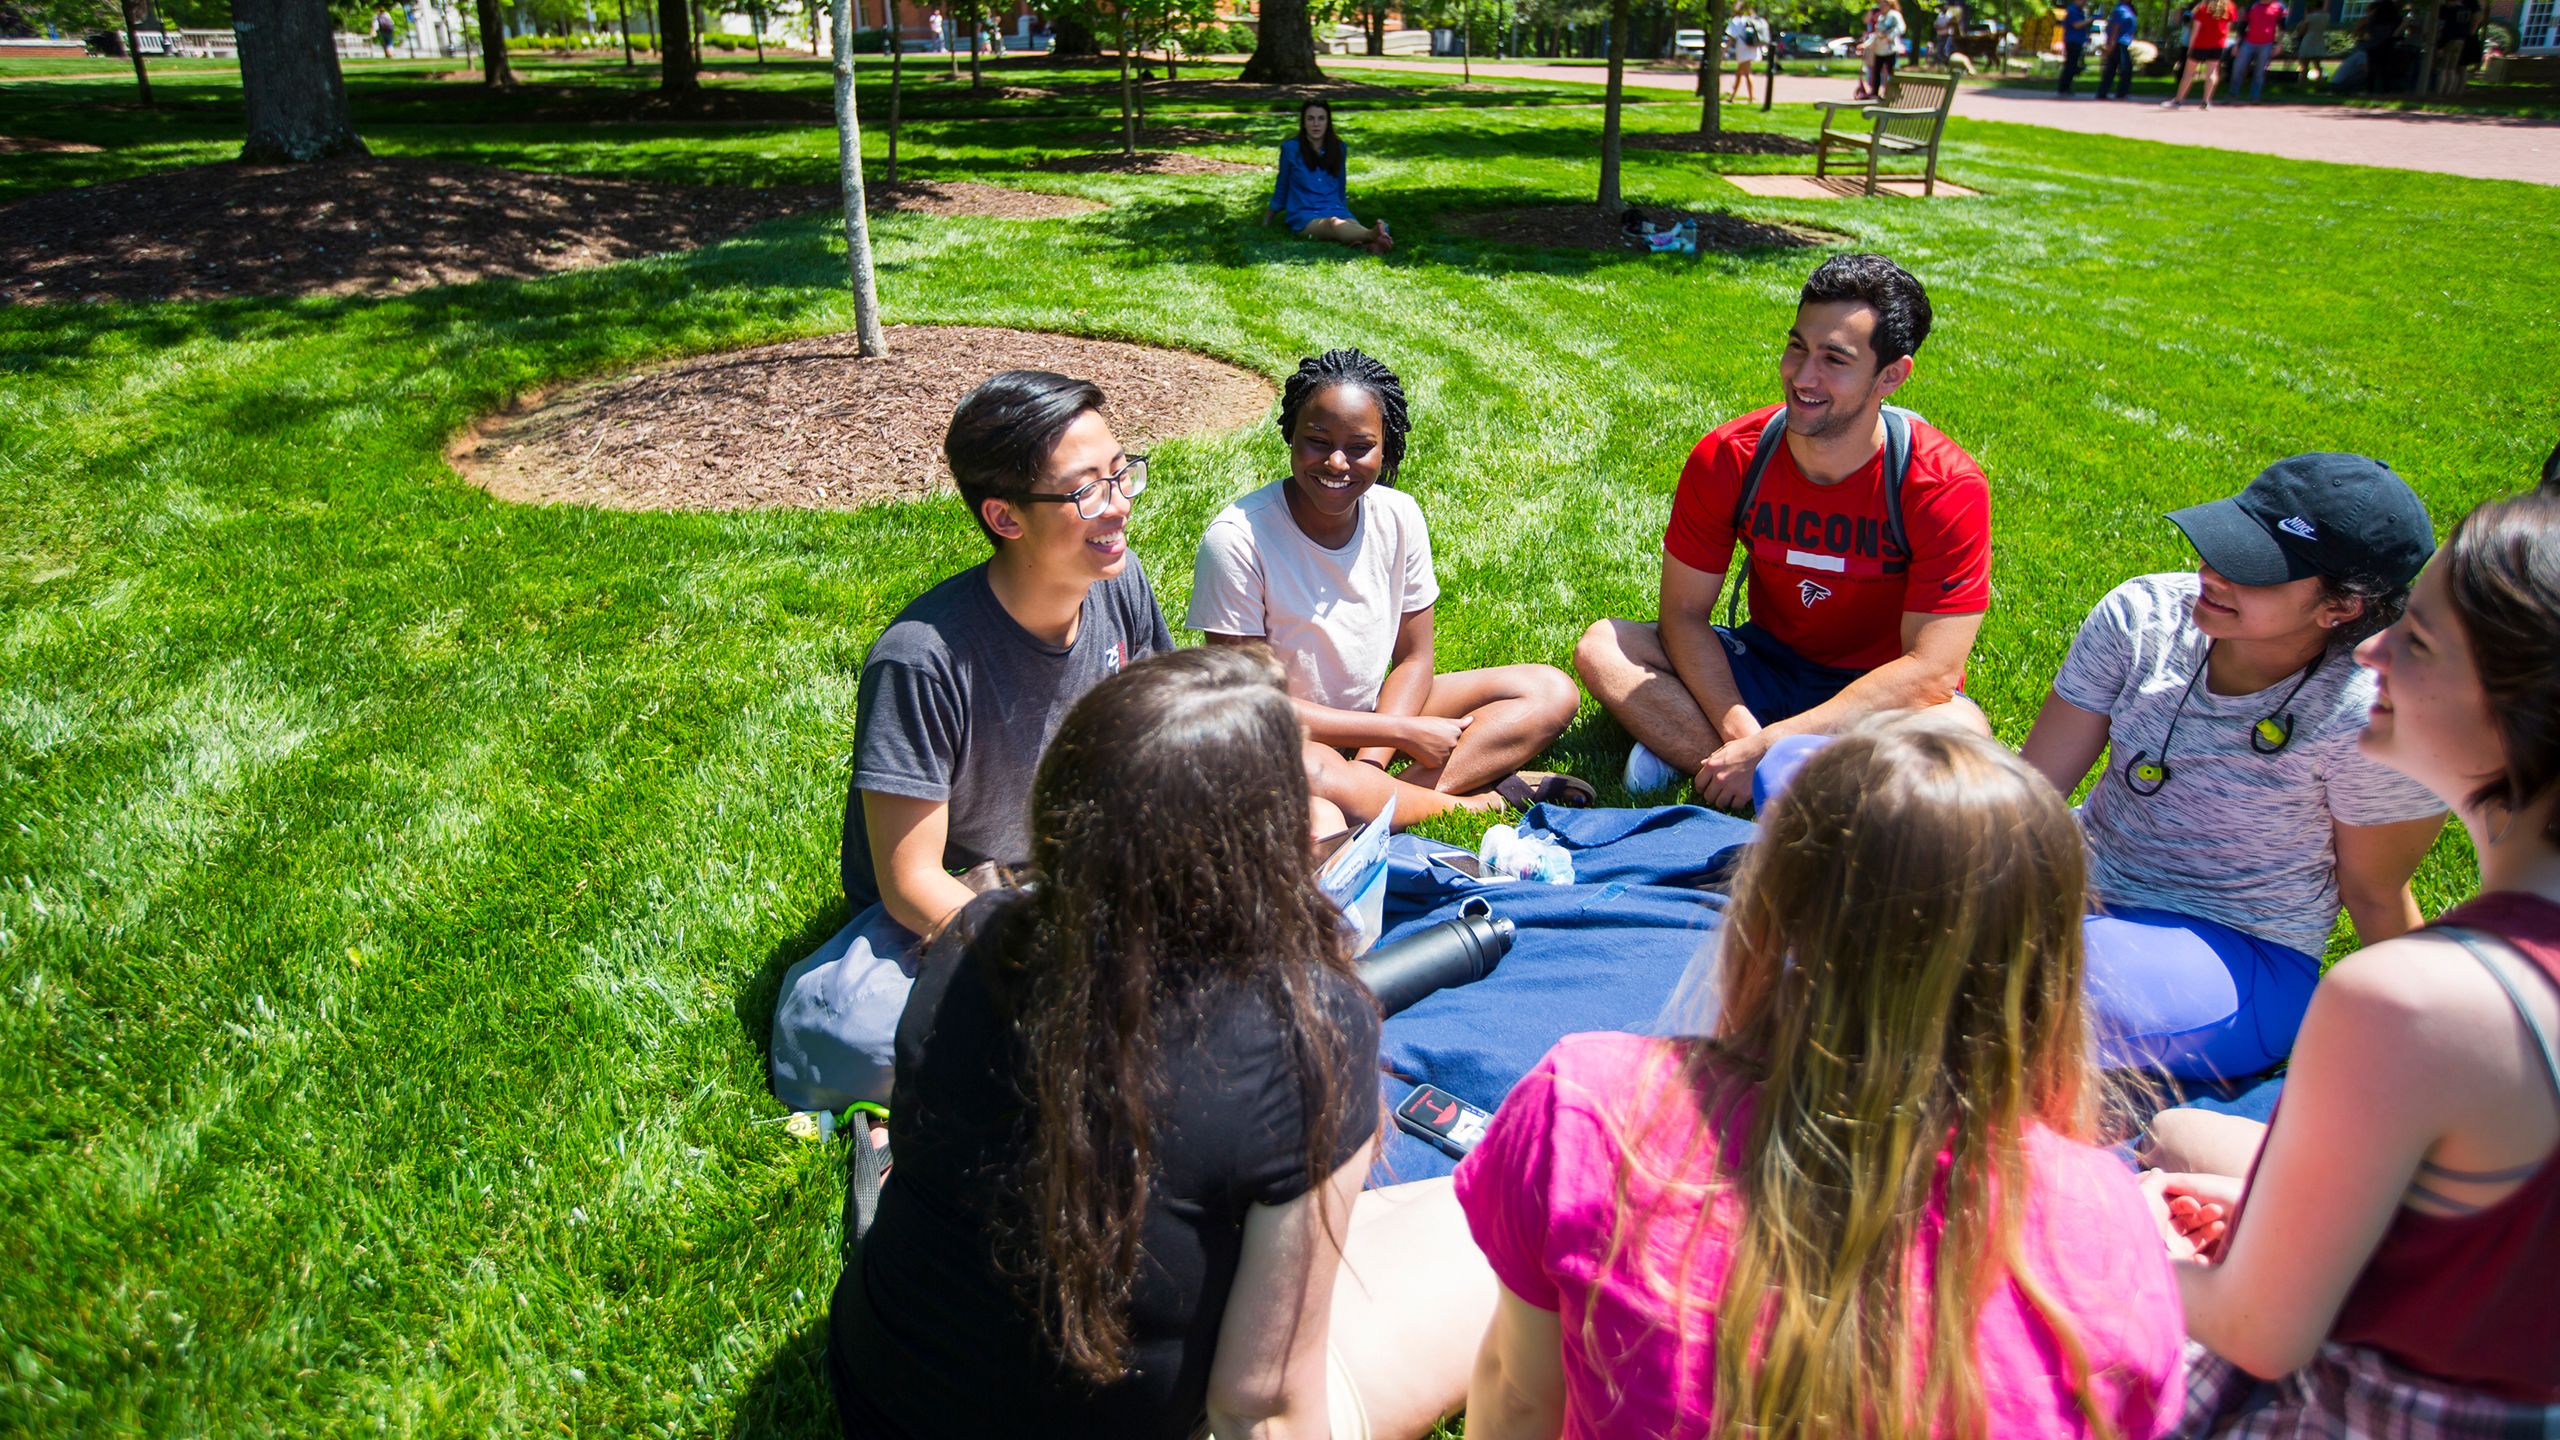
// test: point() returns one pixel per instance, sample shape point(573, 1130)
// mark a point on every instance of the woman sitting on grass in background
point(1311, 193)
point(2396, 1247)
point(1134, 1104)
point(1332, 566)
point(1866, 1203)
point(2235, 815)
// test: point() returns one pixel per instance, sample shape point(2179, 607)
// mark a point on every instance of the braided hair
point(1350, 367)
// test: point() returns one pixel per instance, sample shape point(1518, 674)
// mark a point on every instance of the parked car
point(1686, 45)
point(1840, 46)
point(1800, 45)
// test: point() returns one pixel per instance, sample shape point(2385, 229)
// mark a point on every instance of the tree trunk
point(897, 72)
point(1069, 36)
point(755, 17)
point(1284, 47)
point(1610, 201)
point(622, 8)
point(1375, 22)
point(857, 220)
point(1711, 71)
point(676, 55)
point(974, 28)
point(133, 47)
point(1128, 114)
point(290, 85)
point(1466, 48)
point(494, 69)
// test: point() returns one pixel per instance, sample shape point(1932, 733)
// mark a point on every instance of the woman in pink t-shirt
point(1880, 1144)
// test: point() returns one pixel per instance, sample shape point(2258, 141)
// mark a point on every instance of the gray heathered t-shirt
point(2234, 836)
point(958, 700)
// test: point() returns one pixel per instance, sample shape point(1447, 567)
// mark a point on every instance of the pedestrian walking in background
point(1884, 46)
point(2075, 42)
point(2259, 31)
point(2378, 35)
point(2212, 41)
point(2455, 23)
point(2311, 42)
point(383, 30)
point(1866, 55)
point(2115, 66)
point(933, 28)
point(1943, 32)
point(1749, 33)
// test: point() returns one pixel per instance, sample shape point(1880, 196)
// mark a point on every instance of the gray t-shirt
point(958, 700)
point(2234, 836)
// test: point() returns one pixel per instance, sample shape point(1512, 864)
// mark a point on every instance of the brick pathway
point(2481, 146)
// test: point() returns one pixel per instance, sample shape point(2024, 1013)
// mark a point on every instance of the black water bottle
point(1453, 952)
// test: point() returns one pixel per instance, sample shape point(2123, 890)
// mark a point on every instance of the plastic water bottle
point(1505, 851)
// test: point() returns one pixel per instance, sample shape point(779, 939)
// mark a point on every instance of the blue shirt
point(1304, 194)
point(2075, 24)
point(2122, 22)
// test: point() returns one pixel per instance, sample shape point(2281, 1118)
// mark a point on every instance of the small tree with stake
point(857, 220)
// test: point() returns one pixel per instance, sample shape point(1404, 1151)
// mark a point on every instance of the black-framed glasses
point(1090, 498)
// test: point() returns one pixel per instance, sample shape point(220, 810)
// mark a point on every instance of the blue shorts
point(1775, 681)
point(2193, 998)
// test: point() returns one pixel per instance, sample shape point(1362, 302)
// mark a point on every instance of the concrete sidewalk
point(2480, 146)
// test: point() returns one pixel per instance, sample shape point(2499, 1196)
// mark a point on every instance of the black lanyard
point(2274, 731)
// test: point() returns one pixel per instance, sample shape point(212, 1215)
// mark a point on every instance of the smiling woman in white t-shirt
point(1332, 568)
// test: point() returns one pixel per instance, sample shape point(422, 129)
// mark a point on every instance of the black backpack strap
point(1771, 434)
point(1897, 470)
point(866, 1174)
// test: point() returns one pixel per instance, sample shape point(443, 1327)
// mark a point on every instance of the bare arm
point(2374, 866)
point(1408, 684)
point(2065, 741)
point(1268, 1380)
point(1380, 734)
point(1697, 656)
point(2377, 1076)
point(1934, 649)
point(1517, 1392)
point(907, 836)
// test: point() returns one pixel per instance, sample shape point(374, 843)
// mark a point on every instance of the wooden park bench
point(1909, 122)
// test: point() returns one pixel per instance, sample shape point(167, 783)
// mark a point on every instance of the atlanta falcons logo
point(1812, 590)
point(1111, 658)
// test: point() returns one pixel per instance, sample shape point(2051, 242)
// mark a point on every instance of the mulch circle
point(1154, 135)
point(971, 199)
point(371, 227)
point(1145, 162)
point(1731, 142)
point(1588, 227)
point(37, 145)
point(809, 423)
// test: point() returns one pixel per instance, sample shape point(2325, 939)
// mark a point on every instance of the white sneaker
point(1648, 772)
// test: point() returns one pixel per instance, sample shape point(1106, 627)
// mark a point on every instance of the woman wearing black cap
point(2235, 817)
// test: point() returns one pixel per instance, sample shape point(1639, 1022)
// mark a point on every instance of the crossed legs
point(1413, 1298)
point(1514, 711)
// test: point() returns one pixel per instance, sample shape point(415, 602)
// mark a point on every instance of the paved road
point(2481, 146)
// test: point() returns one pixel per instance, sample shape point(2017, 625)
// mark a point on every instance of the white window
point(2539, 26)
point(2351, 12)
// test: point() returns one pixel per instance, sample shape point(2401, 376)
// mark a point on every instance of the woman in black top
point(1134, 1103)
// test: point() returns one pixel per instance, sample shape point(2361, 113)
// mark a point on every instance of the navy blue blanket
point(1604, 953)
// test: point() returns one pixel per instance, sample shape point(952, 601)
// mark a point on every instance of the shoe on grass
point(1648, 772)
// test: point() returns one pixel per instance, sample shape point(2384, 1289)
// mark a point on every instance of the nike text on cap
point(2343, 516)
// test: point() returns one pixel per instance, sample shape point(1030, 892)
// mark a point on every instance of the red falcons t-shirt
point(1826, 579)
point(2266, 22)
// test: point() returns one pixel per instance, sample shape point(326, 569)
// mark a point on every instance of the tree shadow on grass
point(788, 1398)
point(762, 986)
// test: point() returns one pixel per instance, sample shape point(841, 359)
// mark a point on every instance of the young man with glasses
point(1865, 593)
point(958, 699)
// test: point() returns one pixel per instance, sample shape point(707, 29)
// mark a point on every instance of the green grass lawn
point(393, 880)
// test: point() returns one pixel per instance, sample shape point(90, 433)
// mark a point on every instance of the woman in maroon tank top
point(2390, 1264)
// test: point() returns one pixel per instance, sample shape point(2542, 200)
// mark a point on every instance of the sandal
point(1524, 788)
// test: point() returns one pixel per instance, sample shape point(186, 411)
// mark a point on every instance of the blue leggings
point(2191, 997)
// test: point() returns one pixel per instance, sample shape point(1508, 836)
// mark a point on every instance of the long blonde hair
point(1900, 979)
